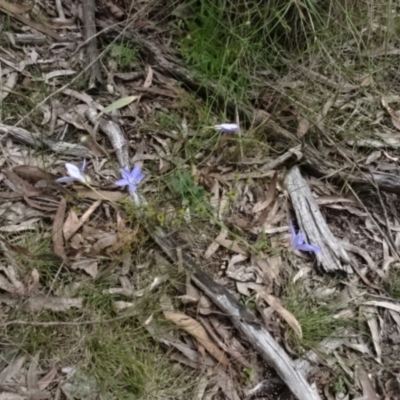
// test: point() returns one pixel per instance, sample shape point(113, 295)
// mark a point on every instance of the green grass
point(317, 319)
point(393, 283)
point(232, 42)
point(125, 360)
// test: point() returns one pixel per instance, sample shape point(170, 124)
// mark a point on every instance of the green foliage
point(184, 186)
point(393, 283)
point(340, 386)
point(231, 41)
point(124, 55)
point(221, 49)
point(317, 320)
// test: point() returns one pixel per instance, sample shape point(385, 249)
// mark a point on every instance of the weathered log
point(93, 73)
point(253, 330)
point(36, 140)
point(332, 255)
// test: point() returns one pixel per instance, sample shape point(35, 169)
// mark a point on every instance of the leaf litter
point(232, 217)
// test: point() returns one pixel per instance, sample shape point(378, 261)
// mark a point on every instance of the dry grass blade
point(57, 235)
point(32, 381)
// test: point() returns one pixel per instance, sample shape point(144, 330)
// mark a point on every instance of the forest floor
point(256, 143)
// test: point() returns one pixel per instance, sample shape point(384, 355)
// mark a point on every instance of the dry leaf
point(88, 265)
point(34, 174)
point(384, 304)
point(231, 245)
point(192, 327)
point(303, 127)
point(149, 78)
point(213, 247)
point(361, 377)
point(72, 227)
point(370, 316)
point(113, 196)
point(15, 8)
point(106, 241)
point(32, 375)
point(269, 199)
point(19, 185)
point(11, 370)
point(277, 306)
point(115, 10)
point(393, 113)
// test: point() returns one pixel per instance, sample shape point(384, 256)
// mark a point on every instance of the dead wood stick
point(332, 255)
point(36, 140)
point(257, 335)
point(315, 164)
point(93, 70)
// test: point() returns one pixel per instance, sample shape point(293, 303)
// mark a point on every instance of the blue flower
point(75, 173)
point(130, 178)
point(299, 243)
point(227, 128)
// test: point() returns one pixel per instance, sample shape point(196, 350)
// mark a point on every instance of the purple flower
point(227, 128)
point(130, 178)
point(75, 173)
point(298, 242)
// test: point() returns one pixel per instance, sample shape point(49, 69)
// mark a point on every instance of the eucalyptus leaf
point(120, 103)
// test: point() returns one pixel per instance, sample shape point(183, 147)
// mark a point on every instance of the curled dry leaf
point(302, 127)
point(393, 113)
point(88, 265)
point(115, 10)
point(213, 247)
point(193, 328)
point(277, 306)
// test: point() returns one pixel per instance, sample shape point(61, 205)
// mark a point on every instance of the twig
point(34, 139)
point(63, 323)
point(257, 335)
point(93, 70)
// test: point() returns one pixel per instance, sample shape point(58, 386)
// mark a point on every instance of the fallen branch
point(319, 166)
point(92, 69)
point(332, 255)
point(257, 335)
point(37, 140)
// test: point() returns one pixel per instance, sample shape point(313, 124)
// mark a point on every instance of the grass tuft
point(317, 320)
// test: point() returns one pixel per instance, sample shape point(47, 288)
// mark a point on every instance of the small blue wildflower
point(130, 178)
point(298, 242)
point(227, 128)
point(75, 173)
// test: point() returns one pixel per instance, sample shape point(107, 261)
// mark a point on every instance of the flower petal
point(309, 247)
point(122, 182)
point(74, 172)
point(136, 174)
point(125, 173)
point(132, 187)
point(65, 179)
point(299, 240)
point(227, 128)
point(83, 166)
